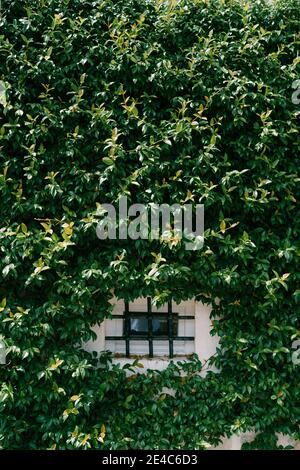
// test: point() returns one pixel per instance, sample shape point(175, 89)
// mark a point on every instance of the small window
point(149, 328)
point(191, 333)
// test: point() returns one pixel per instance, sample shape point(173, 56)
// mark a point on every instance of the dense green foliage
point(162, 102)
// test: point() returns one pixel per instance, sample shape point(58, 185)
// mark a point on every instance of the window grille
point(151, 326)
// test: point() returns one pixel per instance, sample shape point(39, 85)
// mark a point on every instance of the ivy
point(159, 102)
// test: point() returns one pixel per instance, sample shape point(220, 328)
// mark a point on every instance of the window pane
point(139, 326)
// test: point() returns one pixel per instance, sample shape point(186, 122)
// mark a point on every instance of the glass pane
point(139, 326)
point(160, 327)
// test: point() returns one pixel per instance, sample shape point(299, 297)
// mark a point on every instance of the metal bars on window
point(151, 326)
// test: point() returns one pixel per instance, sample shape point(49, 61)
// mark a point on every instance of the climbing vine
point(160, 102)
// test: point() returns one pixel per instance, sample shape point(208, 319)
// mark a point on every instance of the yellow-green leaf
point(223, 226)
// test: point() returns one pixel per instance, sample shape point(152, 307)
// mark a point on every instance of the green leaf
point(108, 161)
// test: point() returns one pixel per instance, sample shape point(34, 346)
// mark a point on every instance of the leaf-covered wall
point(173, 102)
